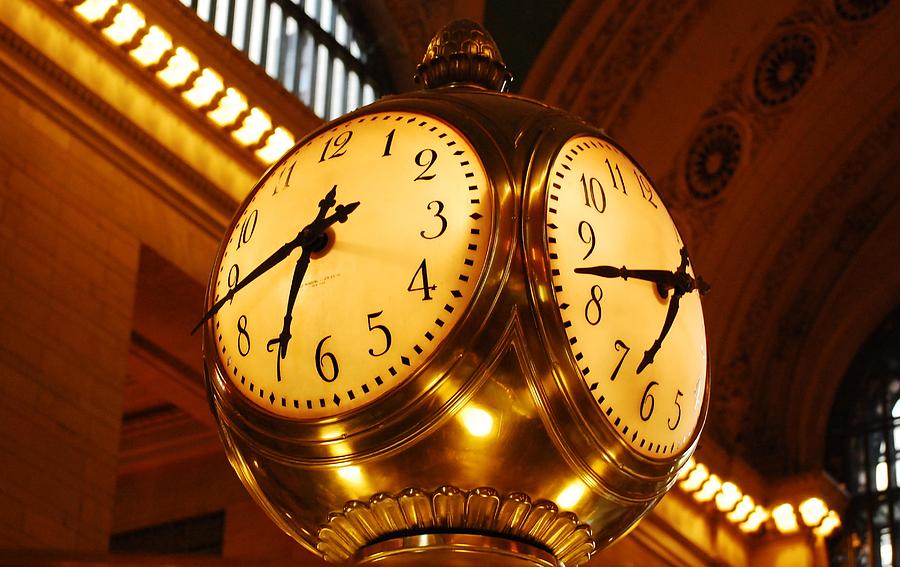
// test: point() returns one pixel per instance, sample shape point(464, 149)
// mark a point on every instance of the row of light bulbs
point(201, 87)
point(741, 509)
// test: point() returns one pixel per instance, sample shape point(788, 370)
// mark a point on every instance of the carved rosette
point(784, 68)
point(463, 52)
point(480, 510)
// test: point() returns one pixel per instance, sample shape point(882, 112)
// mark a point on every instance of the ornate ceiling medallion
point(858, 10)
point(784, 68)
point(713, 157)
point(480, 510)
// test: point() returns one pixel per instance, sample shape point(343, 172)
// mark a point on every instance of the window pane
point(353, 91)
point(292, 36)
point(241, 10)
point(273, 49)
point(322, 64)
point(338, 85)
point(221, 23)
point(256, 31)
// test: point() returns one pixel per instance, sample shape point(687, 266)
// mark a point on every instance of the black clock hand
point(309, 235)
point(679, 281)
point(664, 279)
point(284, 338)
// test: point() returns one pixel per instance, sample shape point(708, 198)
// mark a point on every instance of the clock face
point(322, 328)
point(609, 241)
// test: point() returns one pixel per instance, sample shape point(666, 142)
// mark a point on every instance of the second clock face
point(389, 285)
point(640, 347)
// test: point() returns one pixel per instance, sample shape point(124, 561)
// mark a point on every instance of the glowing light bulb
point(785, 519)
point(126, 24)
point(254, 126)
point(687, 468)
point(696, 479)
point(477, 421)
point(709, 489)
point(812, 511)
point(180, 67)
point(755, 520)
point(153, 46)
point(94, 10)
point(279, 142)
point(232, 105)
point(741, 510)
point(728, 496)
point(207, 86)
point(830, 522)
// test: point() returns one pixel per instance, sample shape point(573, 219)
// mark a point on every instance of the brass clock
point(626, 296)
point(458, 315)
point(351, 261)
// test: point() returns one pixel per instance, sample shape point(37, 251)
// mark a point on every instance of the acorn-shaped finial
point(463, 52)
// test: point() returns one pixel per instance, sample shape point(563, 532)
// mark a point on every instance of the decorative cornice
point(99, 110)
point(480, 510)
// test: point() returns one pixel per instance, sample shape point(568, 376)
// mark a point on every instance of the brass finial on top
point(463, 52)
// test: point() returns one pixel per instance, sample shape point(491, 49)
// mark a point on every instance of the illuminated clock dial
point(350, 263)
point(627, 297)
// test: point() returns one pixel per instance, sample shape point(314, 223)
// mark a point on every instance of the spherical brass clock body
point(464, 352)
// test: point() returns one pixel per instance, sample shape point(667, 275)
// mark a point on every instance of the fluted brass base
point(454, 550)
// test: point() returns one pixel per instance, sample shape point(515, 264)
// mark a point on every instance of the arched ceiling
point(771, 129)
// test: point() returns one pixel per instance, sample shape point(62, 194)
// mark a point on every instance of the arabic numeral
point(326, 361)
point(590, 187)
point(337, 145)
point(647, 401)
point(592, 311)
point(243, 339)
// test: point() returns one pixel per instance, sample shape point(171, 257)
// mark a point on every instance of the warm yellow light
point(180, 67)
point(351, 474)
point(255, 125)
point(152, 47)
point(812, 511)
point(756, 519)
point(278, 142)
point(232, 105)
point(728, 496)
point(829, 523)
point(570, 496)
point(785, 519)
point(477, 421)
point(687, 468)
point(709, 489)
point(741, 510)
point(696, 479)
point(207, 86)
point(126, 23)
point(94, 10)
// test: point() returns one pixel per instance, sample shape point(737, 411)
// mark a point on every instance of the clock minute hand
point(664, 279)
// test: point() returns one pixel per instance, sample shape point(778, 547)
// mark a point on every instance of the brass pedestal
point(454, 550)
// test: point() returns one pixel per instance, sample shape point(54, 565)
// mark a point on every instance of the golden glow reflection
point(687, 468)
point(154, 45)
point(785, 519)
point(180, 68)
point(351, 474)
point(207, 86)
point(255, 125)
point(126, 23)
point(94, 10)
point(696, 479)
point(571, 494)
point(477, 421)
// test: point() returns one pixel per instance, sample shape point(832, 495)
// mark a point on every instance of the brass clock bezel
point(437, 387)
point(572, 413)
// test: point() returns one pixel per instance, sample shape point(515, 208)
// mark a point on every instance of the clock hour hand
point(650, 353)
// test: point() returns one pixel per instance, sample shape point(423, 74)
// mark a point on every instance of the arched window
point(309, 46)
point(864, 451)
